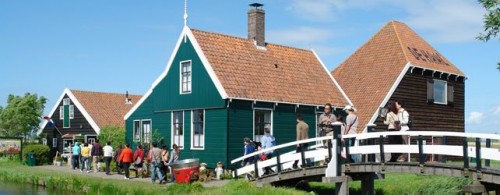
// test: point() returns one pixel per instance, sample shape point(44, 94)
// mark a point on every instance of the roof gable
point(370, 75)
point(275, 73)
point(99, 109)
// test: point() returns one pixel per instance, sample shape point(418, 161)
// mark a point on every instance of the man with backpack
point(268, 141)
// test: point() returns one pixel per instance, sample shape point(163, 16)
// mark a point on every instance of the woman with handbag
point(138, 160)
point(392, 122)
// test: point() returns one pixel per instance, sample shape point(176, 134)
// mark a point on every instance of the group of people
point(397, 119)
point(124, 157)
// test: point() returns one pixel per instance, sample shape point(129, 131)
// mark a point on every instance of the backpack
point(410, 120)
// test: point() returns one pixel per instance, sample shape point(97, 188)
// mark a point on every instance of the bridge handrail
point(281, 146)
point(424, 133)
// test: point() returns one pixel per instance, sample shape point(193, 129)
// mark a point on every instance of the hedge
point(42, 153)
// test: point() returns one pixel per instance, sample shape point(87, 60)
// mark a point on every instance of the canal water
point(9, 188)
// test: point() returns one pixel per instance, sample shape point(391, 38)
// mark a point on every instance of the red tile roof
point(277, 74)
point(368, 75)
point(106, 109)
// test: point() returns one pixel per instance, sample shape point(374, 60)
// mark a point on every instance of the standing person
point(156, 163)
point(125, 159)
point(116, 156)
point(302, 134)
point(85, 158)
point(403, 117)
point(248, 148)
point(75, 155)
point(351, 126)
point(138, 160)
point(96, 155)
point(325, 120)
point(175, 154)
point(268, 141)
point(70, 153)
point(164, 160)
point(390, 120)
point(108, 155)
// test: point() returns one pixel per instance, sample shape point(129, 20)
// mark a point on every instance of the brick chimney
point(256, 25)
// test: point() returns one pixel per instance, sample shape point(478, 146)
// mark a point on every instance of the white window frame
point(54, 142)
point(61, 112)
point(202, 137)
point(71, 110)
point(134, 134)
point(172, 130)
point(445, 91)
point(93, 135)
point(190, 78)
point(253, 121)
point(66, 101)
point(143, 139)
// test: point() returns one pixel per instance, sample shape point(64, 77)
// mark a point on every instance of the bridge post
point(466, 153)
point(256, 167)
point(338, 147)
point(278, 161)
point(347, 152)
point(478, 154)
point(236, 174)
point(303, 155)
point(421, 156)
point(488, 145)
point(444, 141)
point(382, 153)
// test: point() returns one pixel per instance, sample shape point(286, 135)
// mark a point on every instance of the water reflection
point(9, 188)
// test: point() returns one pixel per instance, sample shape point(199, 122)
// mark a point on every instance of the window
point(440, 92)
point(178, 128)
point(66, 101)
point(186, 77)
point(61, 112)
point(54, 142)
point(71, 111)
point(137, 131)
point(198, 129)
point(262, 121)
point(146, 131)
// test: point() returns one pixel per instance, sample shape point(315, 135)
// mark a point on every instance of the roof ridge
point(85, 91)
point(236, 37)
point(399, 39)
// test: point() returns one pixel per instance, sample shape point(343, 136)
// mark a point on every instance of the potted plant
point(59, 160)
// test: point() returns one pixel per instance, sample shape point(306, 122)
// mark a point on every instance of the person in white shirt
point(108, 155)
point(403, 117)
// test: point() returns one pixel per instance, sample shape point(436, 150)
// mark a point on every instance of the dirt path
point(68, 169)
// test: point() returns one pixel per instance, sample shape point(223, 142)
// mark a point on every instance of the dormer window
point(186, 77)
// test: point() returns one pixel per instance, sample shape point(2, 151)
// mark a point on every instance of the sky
point(117, 46)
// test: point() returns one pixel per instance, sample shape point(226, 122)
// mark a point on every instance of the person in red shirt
point(138, 160)
point(125, 159)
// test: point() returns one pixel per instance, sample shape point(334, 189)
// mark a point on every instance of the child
point(203, 166)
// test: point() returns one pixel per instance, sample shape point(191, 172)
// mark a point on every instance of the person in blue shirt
point(76, 150)
point(248, 149)
point(268, 141)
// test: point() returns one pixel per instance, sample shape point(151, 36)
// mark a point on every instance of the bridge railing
point(284, 161)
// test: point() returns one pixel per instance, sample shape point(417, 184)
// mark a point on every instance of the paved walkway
point(68, 169)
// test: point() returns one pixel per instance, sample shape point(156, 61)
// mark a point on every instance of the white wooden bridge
point(340, 172)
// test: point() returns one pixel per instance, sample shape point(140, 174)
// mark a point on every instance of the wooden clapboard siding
point(430, 116)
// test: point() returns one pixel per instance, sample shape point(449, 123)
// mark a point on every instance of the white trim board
point(186, 32)
point(78, 105)
point(388, 95)
point(333, 79)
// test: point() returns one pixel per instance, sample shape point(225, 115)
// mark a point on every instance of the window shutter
point(61, 112)
point(450, 94)
point(430, 91)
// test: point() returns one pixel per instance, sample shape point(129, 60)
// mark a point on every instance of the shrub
point(42, 153)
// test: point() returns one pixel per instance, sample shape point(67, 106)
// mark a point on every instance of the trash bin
point(30, 159)
point(186, 171)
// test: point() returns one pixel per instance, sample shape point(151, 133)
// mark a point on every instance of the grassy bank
point(86, 184)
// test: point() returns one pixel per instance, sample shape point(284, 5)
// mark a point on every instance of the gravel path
point(68, 169)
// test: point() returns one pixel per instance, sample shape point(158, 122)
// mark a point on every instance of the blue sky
point(115, 46)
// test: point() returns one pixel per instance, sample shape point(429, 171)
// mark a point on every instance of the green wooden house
point(218, 89)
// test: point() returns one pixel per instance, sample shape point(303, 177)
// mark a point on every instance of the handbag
point(397, 125)
point(149, 157)
point(138, 161)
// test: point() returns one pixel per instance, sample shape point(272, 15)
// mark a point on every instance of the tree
point(21, 115)
point(491, 21)
point(116, 135)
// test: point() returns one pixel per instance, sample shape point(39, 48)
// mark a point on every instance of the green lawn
point(392, 184)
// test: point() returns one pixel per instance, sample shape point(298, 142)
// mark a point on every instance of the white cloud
point(496, 111)
point(442, 21)
point(475, 118)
